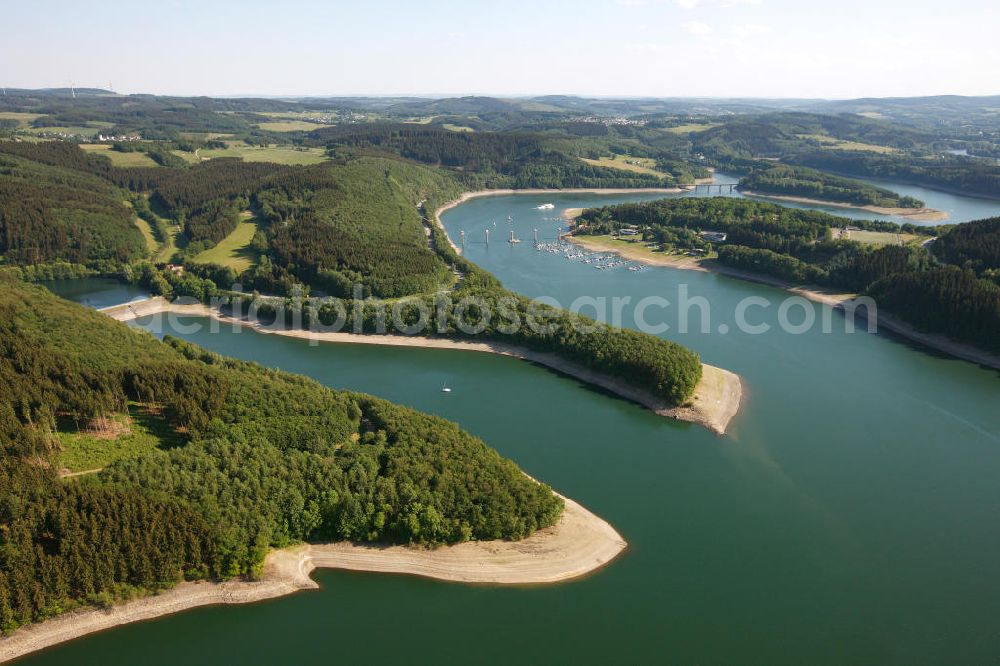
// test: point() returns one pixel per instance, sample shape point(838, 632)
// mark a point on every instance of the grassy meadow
point(133, 159)
point(275, 154)
point(633, 164)
point(142, 431)
point(233, 250)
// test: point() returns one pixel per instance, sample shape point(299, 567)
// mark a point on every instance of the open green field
point(167, 249)
point(883, 238)
point(77, 130)
point(170, 247)
point(233, 250)
point(147, 233)
point(276, 154)
point(635, 247)
point(839, 144)
point(298, 115)
point(204, 136)
point(291, 126)
point(23, 119)
point(133, 159)
point(141, 432)
point(690, 127)
point(633, 164)
point(188, 157)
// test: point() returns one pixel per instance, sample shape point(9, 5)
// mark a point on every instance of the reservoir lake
point(851, 515)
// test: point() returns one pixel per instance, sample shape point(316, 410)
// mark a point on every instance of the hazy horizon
point(764, 49)
point(511, 96)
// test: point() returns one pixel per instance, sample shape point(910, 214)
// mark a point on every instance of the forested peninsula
point(244, 459)
point(810, 186)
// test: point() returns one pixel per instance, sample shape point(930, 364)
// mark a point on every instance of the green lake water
point(852, 515)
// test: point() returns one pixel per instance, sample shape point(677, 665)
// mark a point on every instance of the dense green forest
point(813, 184)
point(358, 222)
point(975, 245)
point(946, 300)
point(267, 459)
point(950, 288)
point(50, 213)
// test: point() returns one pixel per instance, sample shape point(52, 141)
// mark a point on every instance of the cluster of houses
point(118, 138)
point(612, 120)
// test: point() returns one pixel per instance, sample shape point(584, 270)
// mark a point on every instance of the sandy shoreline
point(922, 214)
point(829, 297)
point(578, 544)
point(715, 402)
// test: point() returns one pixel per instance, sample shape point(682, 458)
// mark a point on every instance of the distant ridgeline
point(812, 184)
point(357, 221)
point(778, 135)
point(255, 459)
point(502, 160)
point(951, 288)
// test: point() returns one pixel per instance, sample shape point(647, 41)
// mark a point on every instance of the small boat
point(445, 389)
point(545, 206)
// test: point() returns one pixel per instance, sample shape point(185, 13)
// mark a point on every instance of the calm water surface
point(851, 516)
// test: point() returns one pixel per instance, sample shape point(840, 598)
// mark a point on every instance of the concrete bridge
point(708, 187)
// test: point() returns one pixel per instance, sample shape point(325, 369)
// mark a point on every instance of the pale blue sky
point(780, 48)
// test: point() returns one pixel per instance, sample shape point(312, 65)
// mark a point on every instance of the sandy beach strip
point(922, 214)
point(579, 544)
point(829, 297)
point(715, 402)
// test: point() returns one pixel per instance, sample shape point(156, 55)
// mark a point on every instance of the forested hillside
point(975, 245)
point(330, 226)
point(357, 222)
point(50, 213)
point(266, 459)
point(486, 160)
